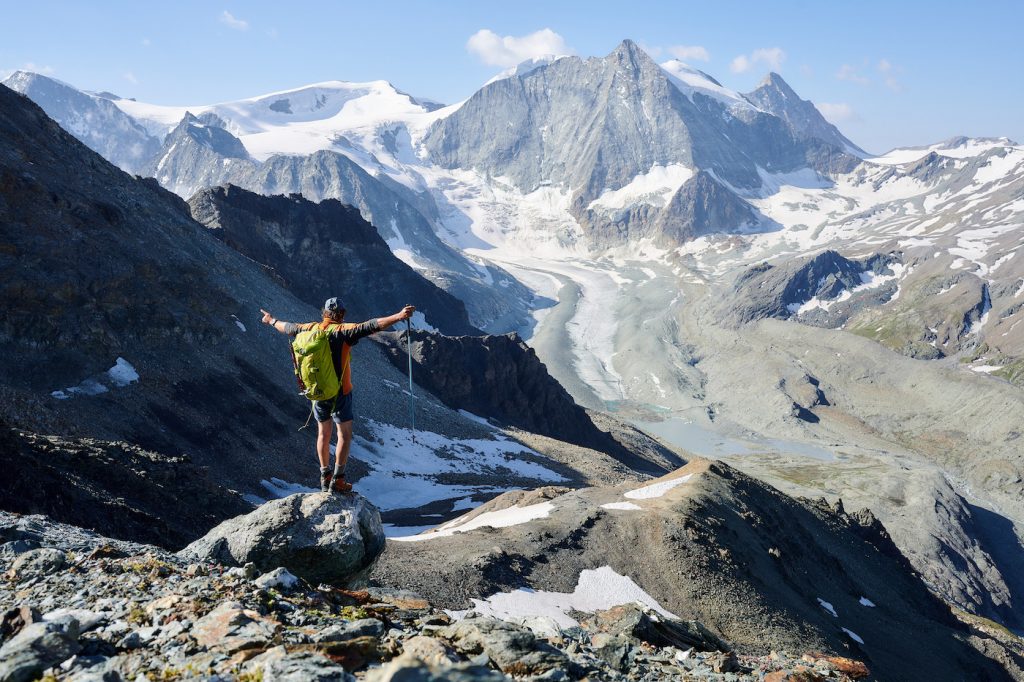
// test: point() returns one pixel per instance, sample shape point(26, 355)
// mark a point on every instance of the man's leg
point(341, 452)
point(323, 443)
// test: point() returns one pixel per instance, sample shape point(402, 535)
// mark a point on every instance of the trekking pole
point(408, 349)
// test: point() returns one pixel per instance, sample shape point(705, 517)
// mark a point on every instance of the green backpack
point(314, 367)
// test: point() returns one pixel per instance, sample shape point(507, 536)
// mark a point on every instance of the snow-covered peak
point(296, 121)
point(21, 80)
point(526, 67)
point(954, 148)
point(690, 80)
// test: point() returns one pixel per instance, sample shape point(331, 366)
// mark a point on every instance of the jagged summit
point(775, 96)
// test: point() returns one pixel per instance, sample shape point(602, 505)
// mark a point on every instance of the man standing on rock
point(331, 395)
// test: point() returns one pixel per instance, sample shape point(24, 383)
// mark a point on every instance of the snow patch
point(281, 488)
point(120, 375)
point(657, 489)
point(854, 636)
point(404, 473)
point(463, 504)
point(596, 590)
point(503, 518)
point(621, 505)
point(864, 601)
point(419, 321)
point(828, 607)
point(655, 187)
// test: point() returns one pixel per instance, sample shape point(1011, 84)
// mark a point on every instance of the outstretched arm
point(277, 324)
point(403, 314)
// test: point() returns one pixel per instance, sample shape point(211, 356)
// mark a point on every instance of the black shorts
point(339, 409)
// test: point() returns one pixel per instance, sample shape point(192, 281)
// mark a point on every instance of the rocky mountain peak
point(775, 81)
point(628, 50)
point(775, 96)
point(205, 132)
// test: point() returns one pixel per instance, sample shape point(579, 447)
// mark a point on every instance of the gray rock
point(280, 666)
point(87, 620)
point(513, 648)
point(633, 621)
point(37, 647)
point(231, 628)
point(429, 650)
point(321, 538)
point(39, 561)
point(617, 651)
point(279, 578)
point(11, 549)
point(365, 627)
point(408, 669)
point(133, 640)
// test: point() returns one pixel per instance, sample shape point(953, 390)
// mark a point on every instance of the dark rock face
point(703, 206)
point(120, 489)
point(767, 290)
point(96, 265)
point(320, 537)
point(325, 249)
point(500, 377)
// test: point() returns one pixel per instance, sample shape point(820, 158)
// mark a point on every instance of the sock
point(338, 473)
point(324, 470)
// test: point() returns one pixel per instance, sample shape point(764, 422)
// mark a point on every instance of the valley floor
point(815, 412)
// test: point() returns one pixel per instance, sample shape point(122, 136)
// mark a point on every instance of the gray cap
point(333, 305)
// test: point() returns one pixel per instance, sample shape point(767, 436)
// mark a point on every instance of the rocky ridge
point(762, 570)
point(83, 607)
point(117, 487)
point(325, 249)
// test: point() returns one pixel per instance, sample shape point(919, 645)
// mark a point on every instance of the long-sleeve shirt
point(343, 336)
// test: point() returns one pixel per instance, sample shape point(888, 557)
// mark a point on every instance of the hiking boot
point(325, 480)
point(340, 485)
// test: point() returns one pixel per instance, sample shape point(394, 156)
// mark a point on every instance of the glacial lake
point(707, 442)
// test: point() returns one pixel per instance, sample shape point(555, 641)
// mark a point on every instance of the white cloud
point(506, 51)
point(146, 42)
point(851, 74)
point(838, 113)
point(130, 77)
point(772, 57)
point(888, 71)
point(690, 53)
point(230, 21)
point(652, 51)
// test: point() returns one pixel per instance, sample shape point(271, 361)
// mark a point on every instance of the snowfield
point(596, 590)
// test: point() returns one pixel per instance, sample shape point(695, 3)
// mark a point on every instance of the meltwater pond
point(707, 442)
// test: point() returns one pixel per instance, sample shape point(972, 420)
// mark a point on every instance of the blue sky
point(888, 73)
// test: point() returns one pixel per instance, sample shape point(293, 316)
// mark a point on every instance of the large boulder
point(320, 537)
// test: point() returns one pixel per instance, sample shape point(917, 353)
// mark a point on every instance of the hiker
point(329, 385)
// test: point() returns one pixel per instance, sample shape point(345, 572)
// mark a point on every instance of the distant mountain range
point(669, 247)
